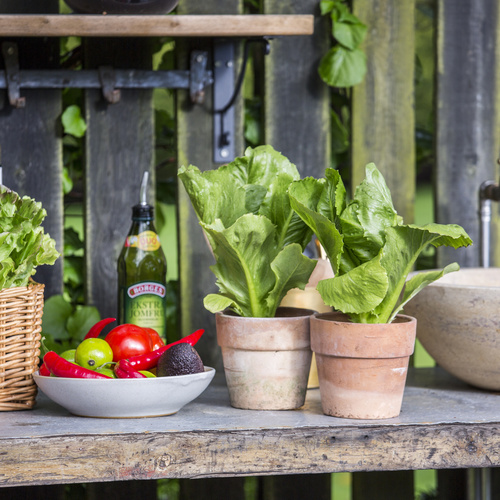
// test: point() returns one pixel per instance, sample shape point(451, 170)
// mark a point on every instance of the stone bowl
point(129, 7)
point(458, 324)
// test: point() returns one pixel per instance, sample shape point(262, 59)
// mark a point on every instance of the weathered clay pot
point(266, 360)
point(362, 368)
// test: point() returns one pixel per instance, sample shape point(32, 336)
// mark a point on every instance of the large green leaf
point(253, 271)
point(359, 291)
point(403, 245)
point(342, 67)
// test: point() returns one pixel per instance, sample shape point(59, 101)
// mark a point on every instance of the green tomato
point(93, 353)
point(69, 355)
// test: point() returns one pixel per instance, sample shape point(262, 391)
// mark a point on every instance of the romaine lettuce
point(256, 238)
point(370, 249)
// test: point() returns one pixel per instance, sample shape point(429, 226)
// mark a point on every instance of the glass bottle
point(142, 272)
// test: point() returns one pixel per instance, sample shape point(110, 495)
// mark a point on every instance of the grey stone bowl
point(458, 324)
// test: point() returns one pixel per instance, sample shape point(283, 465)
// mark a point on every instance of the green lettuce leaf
point(253, 271)
point(370, 249)
point(23, 243)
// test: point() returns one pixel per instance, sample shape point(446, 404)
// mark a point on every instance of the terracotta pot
point(266, 360)
point(362, 368)
point(309, 298)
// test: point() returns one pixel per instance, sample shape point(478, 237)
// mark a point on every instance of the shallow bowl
point(129, 7)
point(458, 323)
point(125, 398)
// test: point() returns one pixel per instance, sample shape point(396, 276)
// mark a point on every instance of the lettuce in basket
point(23, 243)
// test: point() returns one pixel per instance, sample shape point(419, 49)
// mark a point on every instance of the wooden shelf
point(32, 25)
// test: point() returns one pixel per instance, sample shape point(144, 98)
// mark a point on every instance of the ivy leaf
point(341, 67)
point(73, 121)
point(349, 31)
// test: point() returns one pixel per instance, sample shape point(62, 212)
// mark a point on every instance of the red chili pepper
point(123, 369)
point(150, 360)
point(43, 370)
point(61, 367)
point(98, 327)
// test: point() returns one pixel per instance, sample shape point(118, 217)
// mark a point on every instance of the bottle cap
point(142, 211)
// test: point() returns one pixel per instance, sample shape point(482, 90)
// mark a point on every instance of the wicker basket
point(21, 310)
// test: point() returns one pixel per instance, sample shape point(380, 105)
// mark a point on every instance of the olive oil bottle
point(142, 271)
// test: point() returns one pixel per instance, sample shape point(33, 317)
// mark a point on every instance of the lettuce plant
point(255, 236)
point(23, 243)
point(369, 247)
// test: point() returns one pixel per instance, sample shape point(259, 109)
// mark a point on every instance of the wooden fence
point(120, 141)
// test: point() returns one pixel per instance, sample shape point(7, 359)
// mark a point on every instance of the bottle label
point(148, 241)
point(145, 305)
point(146, 288)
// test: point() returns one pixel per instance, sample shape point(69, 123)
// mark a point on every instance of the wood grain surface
point(444, 424)
point(155, 25)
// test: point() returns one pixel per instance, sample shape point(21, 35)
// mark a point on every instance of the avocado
point(180, 359)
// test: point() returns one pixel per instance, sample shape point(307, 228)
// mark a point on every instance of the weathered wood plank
point(297, 123)
point(30, 139)
point(220, 25)
point(195, 146)
point(205, 453)
point(119, 147)
point(208, 438)
point(383, 132)
point(383, 129)
point(467, 115)
point(296, 101)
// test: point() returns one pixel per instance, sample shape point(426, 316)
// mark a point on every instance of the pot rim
point(295, 312)
point(340, 317)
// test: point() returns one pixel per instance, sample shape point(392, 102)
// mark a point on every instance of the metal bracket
point(107, 78)
point(108, 82)
point(11, 58)
point(223, 121)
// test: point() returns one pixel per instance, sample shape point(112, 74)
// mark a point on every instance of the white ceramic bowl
point(458, 323)
point(125, 398)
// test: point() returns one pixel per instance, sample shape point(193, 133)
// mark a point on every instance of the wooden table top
point(444, 423)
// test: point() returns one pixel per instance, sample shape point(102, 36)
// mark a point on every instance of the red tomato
point(155, 338)
point(128, 340)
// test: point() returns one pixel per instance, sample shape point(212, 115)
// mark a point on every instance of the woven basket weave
point(21, 310)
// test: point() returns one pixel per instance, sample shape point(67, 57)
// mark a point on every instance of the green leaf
point(349, 31)
point(56, 312)
point(326, 6)
point(253, 272)
point(312, 201)
point(403, 246)
point(359, 291)
point(216, 302)
point(81, 320)
point(342, 67)
point(291, 269)
point(73, 122)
